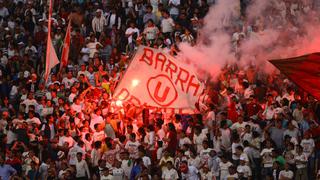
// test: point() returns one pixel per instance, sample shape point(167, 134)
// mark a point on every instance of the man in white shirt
point(286, 173)
point(169, 173)
point(189, 172)
point(205, 152)
point(98, 23)
point(3, 10)
point(239, 126)
point(83, 71)
point(308, 144)
point(184, 139)
point(132, 33)
point(167, 24)
point(69, 80)
point(32, 119)
point(243, 168)
point(301, 163)
point(82, 170)
point(174, 8)
point(66, 139)
point(73, 94)
point(72, 155)
point(132, 146)
point(29, 101)
point(92, 45)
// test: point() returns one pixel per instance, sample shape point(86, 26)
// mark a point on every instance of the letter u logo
point(164, 94)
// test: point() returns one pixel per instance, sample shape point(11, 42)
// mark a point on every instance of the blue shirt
point(6, 171)
point(135, 171)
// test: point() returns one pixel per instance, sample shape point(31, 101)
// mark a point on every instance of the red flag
point(66, 47)
point(51, 56)
point(303, 71)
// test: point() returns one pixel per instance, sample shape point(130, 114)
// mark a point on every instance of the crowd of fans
point(250, 125)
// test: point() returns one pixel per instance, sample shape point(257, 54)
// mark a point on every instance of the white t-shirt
point(76, 107)
point(246, 170)
point(159, 153)
point(131, 30)
point(93, 48)
point(34, 120)
point(65, 139)
point(233, 147)
point(82, 169)
point(132, 147)
point(71, 97)
point(68, 82)
point(95, 157)
point(167, 25)
point(308, 146)
point(302, 158)
point(286, 174)
point(174, 10)
point(192, 173)
point(151, 32)
point(225, 138)
point(29, 102)
point(126, 167)
point(205, 155)
point(224, 169)
point(161, 134)
point(4, 12)
point(267, 158)
point(73, 154)
point(99, 136)
point(183, 141)
point(239, 127)
point(198, 140)
point(169, 174)
point(146, 161)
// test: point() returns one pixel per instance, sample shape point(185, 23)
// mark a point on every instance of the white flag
point(157, 79)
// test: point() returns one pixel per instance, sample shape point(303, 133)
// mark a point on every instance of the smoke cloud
point(270, 32)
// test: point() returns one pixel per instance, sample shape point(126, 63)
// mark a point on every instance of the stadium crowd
point(250, 125)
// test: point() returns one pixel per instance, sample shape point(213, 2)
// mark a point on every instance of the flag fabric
point(51, 56)
point(66, 47)
point(304, 71)
point(157, 79)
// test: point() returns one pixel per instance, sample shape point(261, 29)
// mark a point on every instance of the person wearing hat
point(244, 168)
point(98, 23)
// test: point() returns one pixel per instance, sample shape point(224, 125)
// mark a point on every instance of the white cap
point(60, 154)
point(26, 74)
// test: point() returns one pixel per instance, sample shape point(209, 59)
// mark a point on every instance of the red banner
point(303, 71)
point(66, 47)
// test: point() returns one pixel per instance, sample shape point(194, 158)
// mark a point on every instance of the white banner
point(156, 79)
